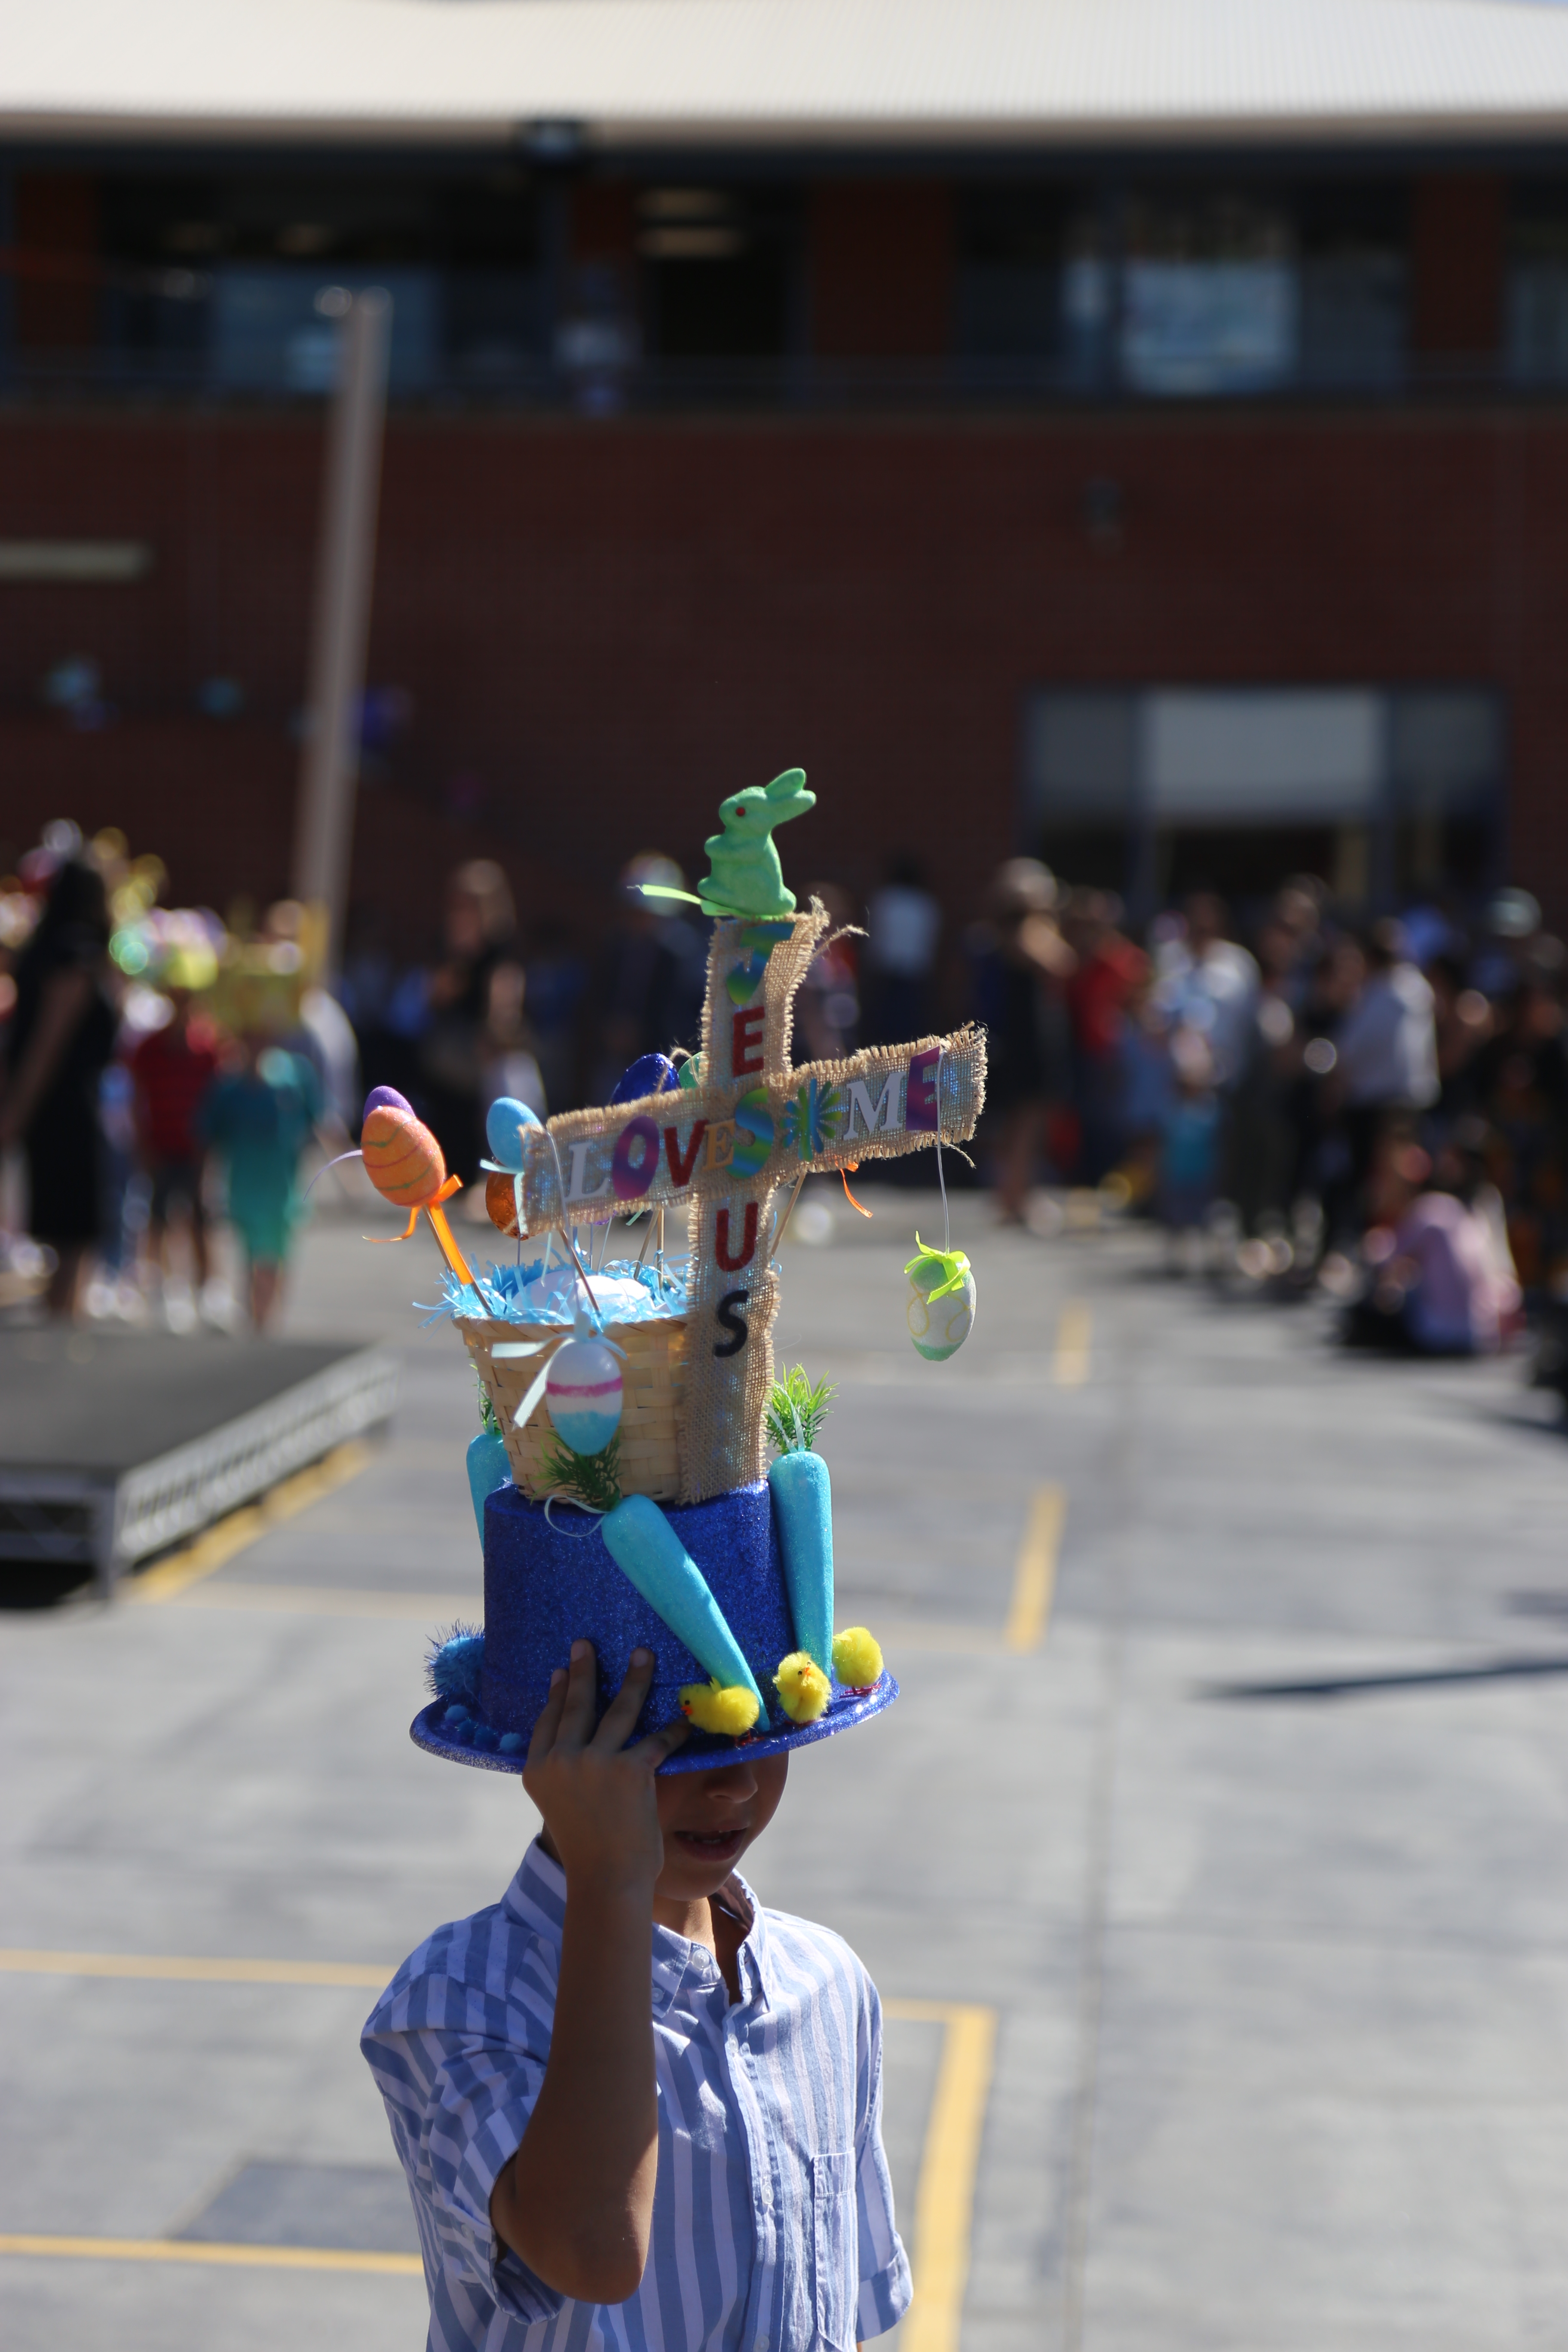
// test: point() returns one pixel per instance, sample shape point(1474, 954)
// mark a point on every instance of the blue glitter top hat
point(550, 1580)
point(622, 1482)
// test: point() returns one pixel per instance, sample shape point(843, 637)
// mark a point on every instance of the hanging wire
point(783, 1221)
point(567, 1235)
point(320, 1171)
point(571, 1240)
point(941, 1181)
point(561, 1495)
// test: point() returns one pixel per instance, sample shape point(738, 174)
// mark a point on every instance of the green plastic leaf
point(796, 1409)
point(952, 1264)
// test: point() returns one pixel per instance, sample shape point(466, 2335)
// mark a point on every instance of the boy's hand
point(576, 2202)
point(596, 1794)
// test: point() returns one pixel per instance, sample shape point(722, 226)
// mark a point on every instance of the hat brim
point(699, 1753)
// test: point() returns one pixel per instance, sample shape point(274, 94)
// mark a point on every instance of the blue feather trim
point(452, 1668)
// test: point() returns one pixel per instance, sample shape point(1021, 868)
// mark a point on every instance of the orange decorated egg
point(402, 1158)
point(501, 1203)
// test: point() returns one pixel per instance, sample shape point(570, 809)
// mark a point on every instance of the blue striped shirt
point(773, 2217)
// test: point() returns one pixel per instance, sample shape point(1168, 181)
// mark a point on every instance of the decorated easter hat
point(259, 988)
point(646, 1476)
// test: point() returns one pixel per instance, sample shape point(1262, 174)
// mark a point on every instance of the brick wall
point(606, 627)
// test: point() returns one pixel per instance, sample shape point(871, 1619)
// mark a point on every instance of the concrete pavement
point(1281, 1975)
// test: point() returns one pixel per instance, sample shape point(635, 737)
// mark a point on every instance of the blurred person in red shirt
point(171, 1069)
point(1110, 967)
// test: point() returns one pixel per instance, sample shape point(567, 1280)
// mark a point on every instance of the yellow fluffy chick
point(856, 1658)
point(729, 1708)
point(804, 1689)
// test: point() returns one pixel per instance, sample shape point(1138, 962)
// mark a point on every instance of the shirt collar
point(675, 1956)
point(536, 1899)
point(756, 1973)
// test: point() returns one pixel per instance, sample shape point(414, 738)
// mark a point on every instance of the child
point(259, 1117)
point(594, 2166)
point(1147, 1089)
point(638, 2112)
point(1439, 1276)
point(171, 1070)
point(1189, 1156)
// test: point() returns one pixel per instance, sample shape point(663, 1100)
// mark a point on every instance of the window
point(487, 236)
point(1257, 757)
point(273, 325)
point(1153, 789)
point(1210, 296)
point(1447, 765)
point(717, 265)
point(1353, 240)
point(1011, 249)
point(1081, 760)
point(1537, 305)
point(232, 272)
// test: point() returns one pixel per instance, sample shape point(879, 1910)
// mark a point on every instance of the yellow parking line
point(192, 2249)
point(935, 1633)
point(172, 1968)
point(944, 2196)
point(1034, 1582)
point(1074, 1330)
point(433, 1608)
point(334, 1601)
point(219, 1544)
point(1034, 1576)
point(949, 2160)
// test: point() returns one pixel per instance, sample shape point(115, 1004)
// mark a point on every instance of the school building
point(1132, 430)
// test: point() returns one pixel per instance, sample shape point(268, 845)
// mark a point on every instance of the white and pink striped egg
point(583, 1394)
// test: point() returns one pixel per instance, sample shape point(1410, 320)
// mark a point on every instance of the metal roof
point(819, 72)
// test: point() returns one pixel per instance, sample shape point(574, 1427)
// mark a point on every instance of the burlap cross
point(724, 1148)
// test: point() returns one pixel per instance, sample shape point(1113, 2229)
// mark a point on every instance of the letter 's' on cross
point(726, 1147)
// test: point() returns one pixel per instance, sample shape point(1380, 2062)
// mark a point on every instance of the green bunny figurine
point(746, 877)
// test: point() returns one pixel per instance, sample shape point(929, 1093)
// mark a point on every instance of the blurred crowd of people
point(160, 1069)
point(1380, 1110)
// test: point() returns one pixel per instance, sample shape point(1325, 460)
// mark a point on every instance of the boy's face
point(708, 1819)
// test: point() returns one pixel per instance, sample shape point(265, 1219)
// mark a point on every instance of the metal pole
point(341, 624)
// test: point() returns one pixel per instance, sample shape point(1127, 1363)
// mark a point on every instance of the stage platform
point(115, 1444)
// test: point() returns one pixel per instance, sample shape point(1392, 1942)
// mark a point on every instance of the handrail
point(954, 384)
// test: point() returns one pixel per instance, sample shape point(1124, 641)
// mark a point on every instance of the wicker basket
point(655, 1378)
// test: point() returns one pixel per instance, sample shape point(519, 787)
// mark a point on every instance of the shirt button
point(761, 2345)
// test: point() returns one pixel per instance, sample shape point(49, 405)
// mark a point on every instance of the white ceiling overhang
point(819, 72)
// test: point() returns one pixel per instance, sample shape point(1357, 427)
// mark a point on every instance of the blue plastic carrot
point(645, 1547)
point(802, 1507)
point(487, 1469)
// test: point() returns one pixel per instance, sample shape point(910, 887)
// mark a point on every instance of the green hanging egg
point(941, 1311)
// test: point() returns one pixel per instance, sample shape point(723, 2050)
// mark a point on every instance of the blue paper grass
point(627, 1293)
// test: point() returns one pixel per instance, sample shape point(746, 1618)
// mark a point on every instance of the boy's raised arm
point(576, 2203)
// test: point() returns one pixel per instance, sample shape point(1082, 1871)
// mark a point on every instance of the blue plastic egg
point(503, 1120)
point(583, 1394)
point(651, 1074)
